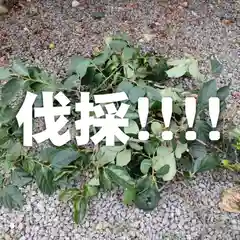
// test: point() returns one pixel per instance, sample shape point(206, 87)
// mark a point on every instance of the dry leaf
point(230, 201)
point(227, 21)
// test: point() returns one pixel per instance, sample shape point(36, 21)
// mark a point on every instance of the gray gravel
point(188, 210)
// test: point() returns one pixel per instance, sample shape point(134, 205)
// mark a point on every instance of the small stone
point(12, 225)
point(75, 3)
point(184, 4)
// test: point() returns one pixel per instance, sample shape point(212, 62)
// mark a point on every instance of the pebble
point(75, 3)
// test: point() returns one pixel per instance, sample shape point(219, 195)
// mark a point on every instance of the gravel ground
point(188, 210)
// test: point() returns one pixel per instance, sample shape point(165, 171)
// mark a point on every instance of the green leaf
point(119, 176)
point(71, 82)
point(223, 93)
point(15, 151)
point(132, 115)
point(180, 149)
point(90, 191)
point(11, 197)
point(79, 65)
point(64, 157)
point(79, 209)
point(163, 171)
point(177, 71)
point(150, 147)
point(69, 194)
point(207, 163)
point(107, 154)
point(194, 70)
point(4, 73)
point(47, 154)
point(94, 182)
point(129, 195)
point(128, 71)
point(197, 150)
point(147, 197)
point(216, 66)
point(132, 128)
point(135, 93)
point(28, 165)
point(135, 146)
point(123, 157)
point(101, 58)
point(128, 53)
point(45, 179)
point(202, 129)
point(20, 178)
point(104, 179)
point(156, 128)
point(10, 89)
point(19, 68)
point(165, 156)
point(145, 165)
point(125, 86)
point(209, 89)
point(117, 45)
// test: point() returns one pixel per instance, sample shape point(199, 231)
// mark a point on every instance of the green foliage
point(138, 167)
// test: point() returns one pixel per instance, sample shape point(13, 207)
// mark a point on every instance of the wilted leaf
point(145, 165)
point(230, 201)
point(123, 157)
point(11, 197)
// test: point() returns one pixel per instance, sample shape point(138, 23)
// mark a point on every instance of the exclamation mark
point(143, 107)
point(167, 114)
point(214, 110)
point(190, 109)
